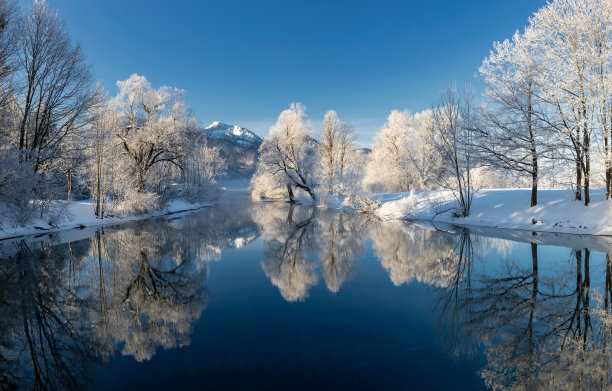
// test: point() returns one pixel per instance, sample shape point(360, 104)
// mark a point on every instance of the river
point(247, 295)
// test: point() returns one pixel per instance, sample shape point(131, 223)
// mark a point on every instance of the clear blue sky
point(243, 62)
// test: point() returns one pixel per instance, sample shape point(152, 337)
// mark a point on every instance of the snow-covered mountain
point(240, 147)
point(233, 133)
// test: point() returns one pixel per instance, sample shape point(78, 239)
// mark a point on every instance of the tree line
point(62, 137)
point(545, 118)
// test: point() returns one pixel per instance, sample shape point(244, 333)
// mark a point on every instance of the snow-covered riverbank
point(556, 210)
point(79, 214)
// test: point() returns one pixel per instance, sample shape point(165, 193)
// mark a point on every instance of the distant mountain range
point(237, 144)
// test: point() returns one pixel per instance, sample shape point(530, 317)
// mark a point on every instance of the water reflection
point(297, 244)
point(43, 335)
point(538, 312)
point(538, 328)
point(67, 305)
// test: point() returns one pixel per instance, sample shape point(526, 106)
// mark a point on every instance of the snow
point(235, 133)
point(509, 208)
point(79, 214)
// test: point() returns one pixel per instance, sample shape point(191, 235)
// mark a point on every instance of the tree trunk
point(141, 181)
point(312, 195)
point(587, 168)
point(578, 181)
point(534, 189)
point(534, 157)
point(98, 184)
point(310, 192)
point(534, 177)
point(69, 175)
point(290, 191)
point(607, 162)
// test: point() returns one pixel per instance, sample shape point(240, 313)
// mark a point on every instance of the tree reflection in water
point(538, 330)
point(66, 306)
point(297, 242)
point(150, 292)
point(43, 333)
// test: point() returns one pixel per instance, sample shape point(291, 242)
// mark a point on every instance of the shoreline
point(556, 211)
point(36, 230)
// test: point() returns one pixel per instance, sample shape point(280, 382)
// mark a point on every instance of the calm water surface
point(267, 296)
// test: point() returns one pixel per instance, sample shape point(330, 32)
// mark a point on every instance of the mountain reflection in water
point(536, 308)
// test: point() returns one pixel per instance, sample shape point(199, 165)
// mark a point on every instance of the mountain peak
point(233, 133)
point(217, 124)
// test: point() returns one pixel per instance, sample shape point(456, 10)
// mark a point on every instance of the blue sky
point(243, 62)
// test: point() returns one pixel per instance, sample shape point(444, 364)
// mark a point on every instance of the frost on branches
point(340, 163)
point(403, 158)
point(287, 159)
point(158, 152)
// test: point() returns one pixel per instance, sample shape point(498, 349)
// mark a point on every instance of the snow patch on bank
point(556, 210)
point(80, 214)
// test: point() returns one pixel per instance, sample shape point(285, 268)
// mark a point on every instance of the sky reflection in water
point(269, 296)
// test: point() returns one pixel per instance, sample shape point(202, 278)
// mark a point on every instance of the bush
point(23, 193)
point(138, 203)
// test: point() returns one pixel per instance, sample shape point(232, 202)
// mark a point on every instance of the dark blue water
point(268, 296)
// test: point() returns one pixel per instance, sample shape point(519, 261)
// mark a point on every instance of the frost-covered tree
point(337, 150)
point(45, 99)
point(103, 167)
point(8, 47)
point(288, 158)
point(155, 127)
point(515, 133)
point(389, 164)
point(403, 157)
point(205, 163)
point(571, 37)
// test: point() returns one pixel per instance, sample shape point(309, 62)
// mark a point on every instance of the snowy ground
point(80, 214)
point(556, 210)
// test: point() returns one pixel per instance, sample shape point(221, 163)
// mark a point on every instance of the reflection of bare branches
point(43, 339)
point(457, 291)
point(537, 330)
point(64, 307)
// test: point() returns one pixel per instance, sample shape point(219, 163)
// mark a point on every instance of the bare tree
point(452, 130)
point(103, 163)
point(513, 135)
point(568, 38)
point(7, 58)
point(54, 97)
